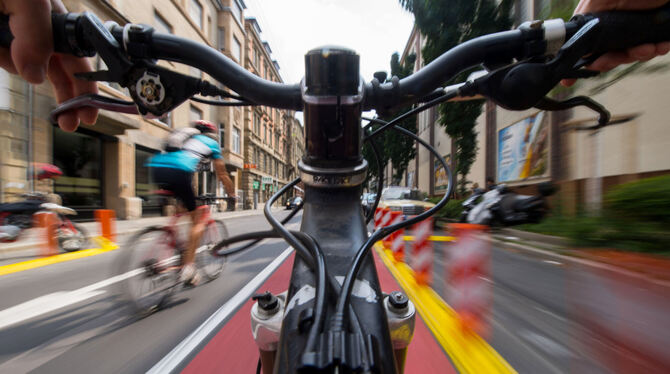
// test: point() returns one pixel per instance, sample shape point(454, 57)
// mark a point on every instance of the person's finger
point(642, 52)
point(62, 84)
point(568, 82)
point(74, 65)
point(662, 48)
point(592, 6)
point(30, 22)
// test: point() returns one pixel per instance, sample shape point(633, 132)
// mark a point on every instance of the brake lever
point(93, 101)
point(553, 105)
point(522, 85)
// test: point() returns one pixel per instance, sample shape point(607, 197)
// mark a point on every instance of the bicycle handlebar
point(83, 35)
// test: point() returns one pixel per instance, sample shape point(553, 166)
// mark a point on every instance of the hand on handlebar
point(642, 52)
point(32, 56)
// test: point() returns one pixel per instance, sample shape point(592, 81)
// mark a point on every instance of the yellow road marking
point(467, 350)
point(105, 246)
point(432, 238)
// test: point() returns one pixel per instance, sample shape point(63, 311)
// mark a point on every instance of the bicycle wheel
point(71, 238)
point(210, 265)
point(152, 265)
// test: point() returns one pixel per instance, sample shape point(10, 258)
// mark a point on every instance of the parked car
point(404, 199)
point(293, 202)
point(368, 200)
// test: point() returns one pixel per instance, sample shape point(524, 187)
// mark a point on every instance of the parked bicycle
point(18, 216)
point(154, 255)
point(325, 326)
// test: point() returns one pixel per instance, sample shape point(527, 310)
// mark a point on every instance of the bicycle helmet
point(205, 127)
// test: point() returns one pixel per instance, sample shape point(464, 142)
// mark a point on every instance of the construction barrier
point(48, 222)
point(106, 218)
point(385, 221)
point(469, 292)
point(422, 251)
point(397, 238)
point(379, 213)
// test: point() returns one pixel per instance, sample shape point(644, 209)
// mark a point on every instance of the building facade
point(104, 164)
point(522, 149)
point(268, 130)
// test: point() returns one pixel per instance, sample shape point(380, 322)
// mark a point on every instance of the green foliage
point(452, 210)
point(635, 216)
point(445, 24)
point(645, 200)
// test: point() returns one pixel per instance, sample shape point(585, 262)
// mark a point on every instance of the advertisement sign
point(523, 149)
point(266, 180)
point(256, 185)
point(441, 180)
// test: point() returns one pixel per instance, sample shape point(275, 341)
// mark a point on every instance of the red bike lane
point(233, 350)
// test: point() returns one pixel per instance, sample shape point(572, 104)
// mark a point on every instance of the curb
point(18, 247)
point(575, 261)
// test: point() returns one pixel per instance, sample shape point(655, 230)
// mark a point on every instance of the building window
point(237, 49)
point(195, 11)
point(236, 140)
point(277, 141)
point(222, 135)
point(237, 11)
point(195, 114)
point(257, 59)
point(265, 134)
point(265, 162)
point(166, 119)
point(257, 124)
point(221, 38)
point(161, 25)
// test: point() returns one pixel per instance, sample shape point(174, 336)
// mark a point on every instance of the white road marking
point(57, 300)
point(552, 262)
point(173, 359)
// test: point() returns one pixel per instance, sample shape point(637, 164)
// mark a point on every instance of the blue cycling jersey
point(195, 149)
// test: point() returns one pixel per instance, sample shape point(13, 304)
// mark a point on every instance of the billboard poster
point(441, 180)
point(523, 149)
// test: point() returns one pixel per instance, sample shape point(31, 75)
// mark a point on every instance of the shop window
point(144, 186)
point(79, 156)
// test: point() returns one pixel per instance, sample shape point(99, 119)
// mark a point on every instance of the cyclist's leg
point(182, 187)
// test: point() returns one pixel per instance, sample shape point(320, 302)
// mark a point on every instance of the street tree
point(445, 24)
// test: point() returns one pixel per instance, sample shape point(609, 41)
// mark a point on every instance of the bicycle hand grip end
point(63, 26)
point(625, 29)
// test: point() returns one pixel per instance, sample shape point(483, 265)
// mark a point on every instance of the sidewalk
point(31, 239)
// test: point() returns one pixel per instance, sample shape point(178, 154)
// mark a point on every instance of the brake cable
point(337, 320)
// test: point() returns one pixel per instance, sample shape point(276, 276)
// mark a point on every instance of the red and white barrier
point(422, 251)
point(469, 292)
point(379, 213)
point(397, 238)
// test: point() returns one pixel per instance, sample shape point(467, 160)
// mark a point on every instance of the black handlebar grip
point(626, 29)
point(63, 32)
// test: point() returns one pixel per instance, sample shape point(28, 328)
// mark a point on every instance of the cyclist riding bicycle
point(173, 171)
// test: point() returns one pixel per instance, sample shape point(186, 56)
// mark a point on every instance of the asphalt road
point(71, 317)
point(531, 320)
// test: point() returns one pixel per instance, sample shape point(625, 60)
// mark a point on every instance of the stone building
point(267, 132)
point(103, 164)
